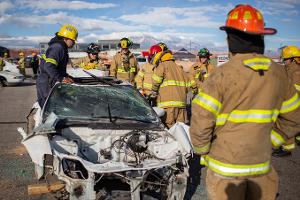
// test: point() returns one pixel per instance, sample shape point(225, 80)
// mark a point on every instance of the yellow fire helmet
point(68, 31)
point(125, 43)
point(290, 52)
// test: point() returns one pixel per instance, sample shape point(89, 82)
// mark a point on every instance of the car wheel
point(3, 82)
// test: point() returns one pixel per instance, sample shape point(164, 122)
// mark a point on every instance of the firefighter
point(34, 63)
point(291, 57)
point(21, 63)
point(92, 61)
point(54, 63)
point(163, 46)
point(2, 63)
point(143, 79)
point(52, 68)
point(246, 106)
point(5, 56)
point(199, 71)
point(169, 85)
point(124, 64)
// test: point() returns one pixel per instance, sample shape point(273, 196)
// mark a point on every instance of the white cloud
point(197, 0)
point(283, 39)
point(83, 24)
point(167, 17)
point(290, 1)
point(174, 40)
point(286, 20)
point(4, 6)
point(23, 41)
point(284, 7)
point(63, 5)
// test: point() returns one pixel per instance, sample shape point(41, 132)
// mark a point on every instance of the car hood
point(102, 147)
point(11, 73)
point(11, 67)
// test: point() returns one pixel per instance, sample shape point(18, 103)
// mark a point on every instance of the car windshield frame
point(99, 103)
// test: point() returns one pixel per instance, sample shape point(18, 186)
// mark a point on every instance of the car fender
point(181, 133)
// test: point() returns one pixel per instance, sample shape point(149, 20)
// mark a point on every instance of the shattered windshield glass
point(99, 102)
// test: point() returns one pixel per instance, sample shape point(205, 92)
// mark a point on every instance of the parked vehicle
point(13, 60)
point(28, 61)
point(103, 140)
point(221, 59)
point(10, 75)
point(141, 59)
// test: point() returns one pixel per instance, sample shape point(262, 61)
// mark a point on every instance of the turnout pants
point(263, 187)
point(174, 115)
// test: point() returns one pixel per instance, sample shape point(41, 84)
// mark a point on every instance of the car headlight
point(74, 169)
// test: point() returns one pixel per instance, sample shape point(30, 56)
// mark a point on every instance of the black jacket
point(53, 68)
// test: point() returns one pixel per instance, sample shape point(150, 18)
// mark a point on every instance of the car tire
point(3, 82)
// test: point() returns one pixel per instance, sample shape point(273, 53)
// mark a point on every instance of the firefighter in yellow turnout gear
point(124, 64)
point(143, 79)
point(245, 106)
point(200, 71)
point(170, 85)
point(291, 57)
point(21, 63)
point(2, 63)
point(92, 61)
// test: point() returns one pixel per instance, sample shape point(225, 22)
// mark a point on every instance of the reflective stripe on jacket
point(197, 74)
point(170, 82)
point(52, 68)
point(294, 73)
point(143, 78)
point(244, 107)
point(124, 67)
point(87, 64)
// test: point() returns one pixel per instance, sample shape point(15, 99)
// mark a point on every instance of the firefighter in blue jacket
point(54, 63)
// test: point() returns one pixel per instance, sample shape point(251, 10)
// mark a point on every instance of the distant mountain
point(174, 43)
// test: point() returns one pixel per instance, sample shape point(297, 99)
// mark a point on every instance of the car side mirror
point(159, 111)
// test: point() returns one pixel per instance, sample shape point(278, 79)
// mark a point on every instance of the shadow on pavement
point(194, 177)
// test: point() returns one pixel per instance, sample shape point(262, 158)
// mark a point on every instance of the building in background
point(184, 55)
point(78, 47)
point(105, 45)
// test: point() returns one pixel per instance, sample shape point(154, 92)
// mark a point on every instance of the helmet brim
point(266, 31)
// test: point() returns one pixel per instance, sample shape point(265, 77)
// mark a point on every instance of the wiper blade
point(133, 119)
point(105, 82)
point(101, 80)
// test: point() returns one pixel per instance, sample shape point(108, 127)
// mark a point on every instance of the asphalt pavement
point(16, 169)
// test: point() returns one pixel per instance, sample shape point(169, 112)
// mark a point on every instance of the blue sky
point(179, 23)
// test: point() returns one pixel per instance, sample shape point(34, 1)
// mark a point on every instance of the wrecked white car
point(103, 141)
point(10, 75)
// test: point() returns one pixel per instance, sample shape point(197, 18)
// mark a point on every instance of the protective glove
point(153, 95)
point(142, 92)
point(67, 80)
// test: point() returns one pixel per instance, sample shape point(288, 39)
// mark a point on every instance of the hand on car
point(153, 95)
point(67, 80)
point(142, 92)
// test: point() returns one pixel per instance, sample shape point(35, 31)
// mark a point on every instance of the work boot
point(281, 152)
